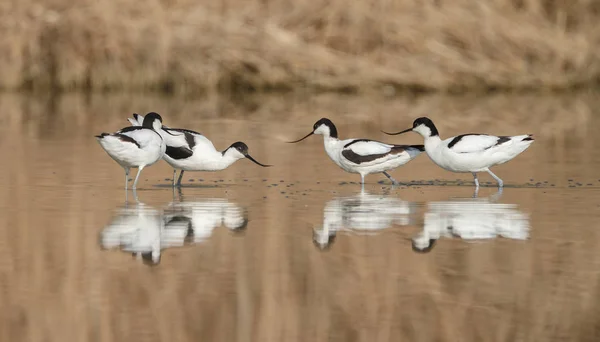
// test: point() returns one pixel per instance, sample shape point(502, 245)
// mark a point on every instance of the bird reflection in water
point(471, 219)
point(145, 231)
point(194, 221)
point(363, 213)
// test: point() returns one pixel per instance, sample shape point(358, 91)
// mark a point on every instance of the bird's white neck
point(332, 147)
point(431, 143)
point(226, 160)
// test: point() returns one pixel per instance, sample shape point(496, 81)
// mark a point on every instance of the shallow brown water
point(295, 252)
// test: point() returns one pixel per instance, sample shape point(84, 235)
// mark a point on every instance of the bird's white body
point(363, 156)
point(187, 150)
point(388, 160)
point(469, 152)
point(205, 157)
point(201, 153)
point(471, 220)
point(136, 147)
point(127, 154)
point(363, 213)
point(474, 153)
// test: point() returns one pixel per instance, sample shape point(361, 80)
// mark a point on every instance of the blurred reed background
point(334, 45)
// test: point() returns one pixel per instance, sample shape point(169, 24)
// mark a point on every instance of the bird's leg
point(135, 196)
point(140, 168)
point(174, 174)
point(362, 190)
point(178, 189)
point(394, 182)
point(500, 182)
point(495, 197)
point(126, 177)
point(475, 180)
point(180, 178)
point(362, 182)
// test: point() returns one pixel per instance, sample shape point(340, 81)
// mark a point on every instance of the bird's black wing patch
point(358, 159)
point(189, 135)
point(190, 140)
point(355, 141)
point(459, 138)
point(501, 140)
point(131, 129)
point(183, 130)
point(135, 128)
point(418, 147)
point(127, 138)
point(181, 152)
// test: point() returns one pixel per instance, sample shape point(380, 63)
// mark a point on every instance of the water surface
point(297, 252)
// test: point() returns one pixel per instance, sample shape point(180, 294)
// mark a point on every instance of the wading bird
point(469, 152)
point(363, 156)
point(191, 151)
point(136, 147)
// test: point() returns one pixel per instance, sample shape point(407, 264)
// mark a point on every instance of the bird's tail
point(412, 150)
point(102, 135)
point(529, 137)
point(523, 140)
point(520, 143)
point(136, 119)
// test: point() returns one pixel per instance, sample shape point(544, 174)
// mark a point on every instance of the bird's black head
point(423, 126)
point(426, 122)
point(150, 119)
point(240, 147)
point(320, 126)
point(324, 127)
point(243, 149)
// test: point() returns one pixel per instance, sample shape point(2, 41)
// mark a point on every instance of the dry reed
point(196, 46)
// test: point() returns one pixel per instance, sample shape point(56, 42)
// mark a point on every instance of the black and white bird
point(469, 152)
point(191, 151)
point(363, 156)
point(136, 147)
